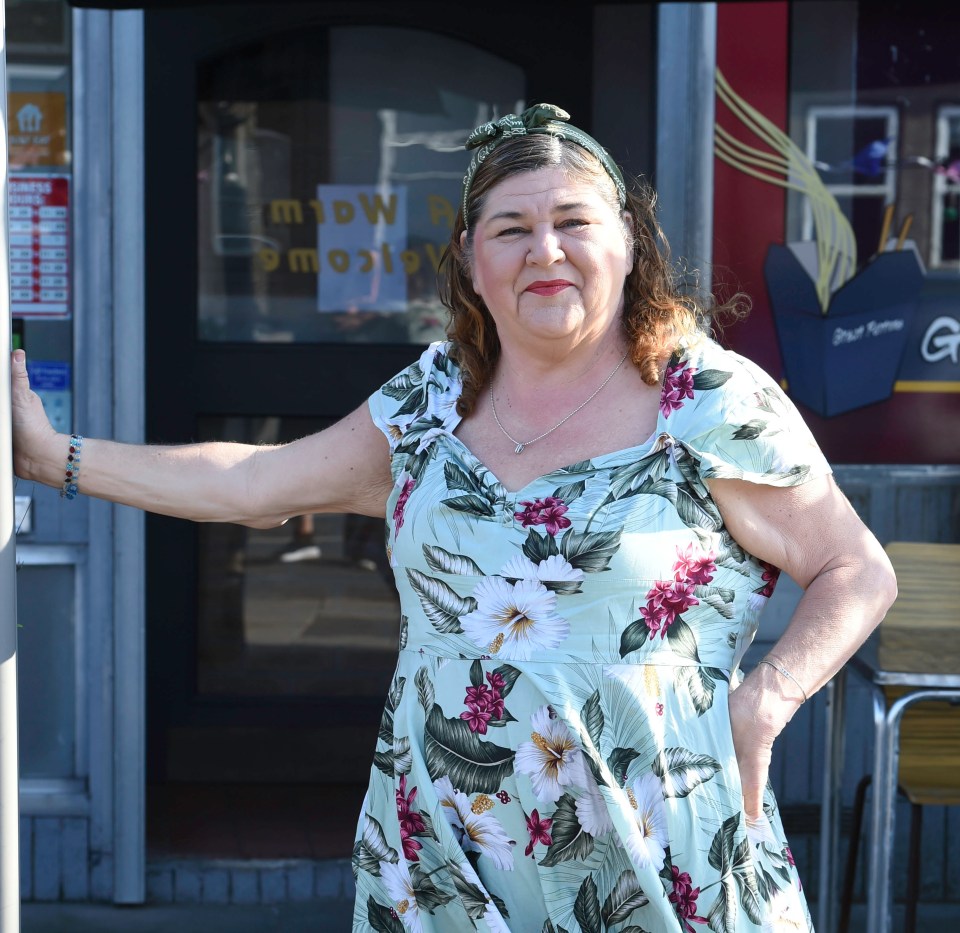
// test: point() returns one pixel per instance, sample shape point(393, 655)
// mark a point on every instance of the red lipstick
point(546, 289)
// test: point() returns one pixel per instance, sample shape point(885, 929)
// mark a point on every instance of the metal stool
point(929, 774)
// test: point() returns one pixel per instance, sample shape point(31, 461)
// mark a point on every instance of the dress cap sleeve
point(420, 400)
point(740, 424)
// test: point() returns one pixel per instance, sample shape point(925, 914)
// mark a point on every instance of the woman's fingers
point(754, 751)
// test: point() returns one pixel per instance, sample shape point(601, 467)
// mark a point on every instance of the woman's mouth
point(546, 289)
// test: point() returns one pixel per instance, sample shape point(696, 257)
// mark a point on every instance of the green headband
point(542, 119)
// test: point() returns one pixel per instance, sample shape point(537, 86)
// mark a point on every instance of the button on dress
point(555, 752)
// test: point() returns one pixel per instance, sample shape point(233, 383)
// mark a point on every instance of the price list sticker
point(40, 245)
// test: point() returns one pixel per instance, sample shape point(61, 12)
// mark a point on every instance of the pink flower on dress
point(549, 512)
point(483, 704)
point(398, 509)
point(539, 832)
point(677, 386)
point(411, 822)
point(665, 601)
point(771, 575)
point(693, 566)
point(684, 898)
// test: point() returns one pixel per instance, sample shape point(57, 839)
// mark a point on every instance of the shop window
point(854, 149)
point(945, 232)
point(323, 214)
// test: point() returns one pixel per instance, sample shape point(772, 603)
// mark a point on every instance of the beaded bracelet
point(782, 670)
point(72, 473)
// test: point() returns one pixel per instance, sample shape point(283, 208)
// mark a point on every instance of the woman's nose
point(545, 248)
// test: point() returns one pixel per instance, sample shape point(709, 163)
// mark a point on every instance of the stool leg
point(913, 869)
point(846, 895)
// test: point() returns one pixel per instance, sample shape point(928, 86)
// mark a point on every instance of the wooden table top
point(918, 643)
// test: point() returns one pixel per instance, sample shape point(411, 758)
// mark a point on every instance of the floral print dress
point(555, 753)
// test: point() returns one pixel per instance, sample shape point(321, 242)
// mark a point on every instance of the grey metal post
point(9, 772)
point(686, 70)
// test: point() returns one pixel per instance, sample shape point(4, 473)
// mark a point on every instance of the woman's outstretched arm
point(342, 469)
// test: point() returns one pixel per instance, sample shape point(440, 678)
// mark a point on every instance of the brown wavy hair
point(655, 314)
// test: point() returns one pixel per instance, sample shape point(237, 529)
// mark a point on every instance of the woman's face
point(549, 258)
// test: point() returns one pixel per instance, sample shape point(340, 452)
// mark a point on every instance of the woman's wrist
point(771, 699)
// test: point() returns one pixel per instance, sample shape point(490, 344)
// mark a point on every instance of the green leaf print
point(444, 562)
point(471, 895)
point(425, 691)
point(405, 383)
point(624, 899)
point(717, 597)
point(682, 640)
point(476, 674)
point(384, 761)
point(746, 881)
point(548, 927)
point(539, 547)
point(590, 551)
point(633, 637)
point(362, 860)
point(722, 916)
point(619, 760)
point(570, 839)
point(428, 896)
point(723, 913)
point(404, 631)
point(380, 918)
point(570, 492)
point(710, 379)
point(592, 717)
point(699, 684)
point(402, 756)
point(392, 702)
point(750, 431)
point(471, 505)
point(452, 750)
point(458, 478)
point(586, 908)
point(441, 605)
point(633, 479)
point(509, 675)
point(375, 843)
point(682, 770)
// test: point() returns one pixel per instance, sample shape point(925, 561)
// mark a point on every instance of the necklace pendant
point(519, 448)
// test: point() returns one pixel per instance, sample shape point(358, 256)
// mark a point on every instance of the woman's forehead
point(550, 188)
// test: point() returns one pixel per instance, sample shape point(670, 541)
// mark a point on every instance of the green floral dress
point(555, 753)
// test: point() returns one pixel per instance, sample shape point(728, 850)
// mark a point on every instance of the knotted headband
point(540, 119)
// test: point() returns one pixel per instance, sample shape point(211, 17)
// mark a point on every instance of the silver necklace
point(523, 444)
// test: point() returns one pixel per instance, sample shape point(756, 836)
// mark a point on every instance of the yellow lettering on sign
point(317, 210)
point(411, 261)
point(387, 258)
point(339, 260)
point(286, 211)
point(367, 265)
point(343, 212)
point(374, 210)
point(270, 259)
point(303, 260)
point(441, 210)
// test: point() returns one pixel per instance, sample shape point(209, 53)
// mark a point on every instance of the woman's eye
point(510, 231)
point(574, 222)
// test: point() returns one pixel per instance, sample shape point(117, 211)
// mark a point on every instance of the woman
point(588, 501)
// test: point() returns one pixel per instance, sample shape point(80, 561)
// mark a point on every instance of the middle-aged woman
point(588, 502)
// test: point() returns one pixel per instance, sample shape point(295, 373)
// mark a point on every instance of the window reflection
point(323, 217)
point(308, 609)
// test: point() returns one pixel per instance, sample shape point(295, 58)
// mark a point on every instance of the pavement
point(321, 916)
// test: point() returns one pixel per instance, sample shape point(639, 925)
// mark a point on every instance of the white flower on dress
point(428, 437)
point(554, 568)
point(648, 844)
point(787, 913)
point(552, 759)
point(593, 813)
point(476, 828)
point(397, 881)
point(760, 830)
point(515, 620)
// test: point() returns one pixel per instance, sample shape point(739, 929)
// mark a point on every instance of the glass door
point(301, 183)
